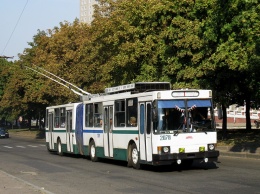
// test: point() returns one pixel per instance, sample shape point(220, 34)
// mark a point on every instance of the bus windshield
point(193, 115)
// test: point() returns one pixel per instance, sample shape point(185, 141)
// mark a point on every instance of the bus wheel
point(59, 150)
point(129, 158)
point(134, 157)
point(92, 152)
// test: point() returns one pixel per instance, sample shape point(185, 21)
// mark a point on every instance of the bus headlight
point(163, 149)
point(166, 149)
point(211, 147)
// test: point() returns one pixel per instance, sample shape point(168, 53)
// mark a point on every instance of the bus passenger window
point(57, 117)
point(62, 118)
point(89, 115)
point(133, 122)
point(120, 113)
point(47, 119)
point(98, 119)
point(131, 112)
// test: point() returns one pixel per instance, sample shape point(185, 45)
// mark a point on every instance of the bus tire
point(129, 160)
point(59, 148)
point(134, 157)
point(92, 151)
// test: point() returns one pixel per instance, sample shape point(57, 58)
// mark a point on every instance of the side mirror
point(155, 114)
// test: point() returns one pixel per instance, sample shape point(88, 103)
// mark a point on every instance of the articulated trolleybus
point(140, 123)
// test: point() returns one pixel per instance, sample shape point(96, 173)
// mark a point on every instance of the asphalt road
point(28, 161)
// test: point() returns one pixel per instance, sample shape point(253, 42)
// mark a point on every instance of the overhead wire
point(15, 27)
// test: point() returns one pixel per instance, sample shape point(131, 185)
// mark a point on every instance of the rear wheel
point(59, 149)
point(92, 151)
point(134, 157)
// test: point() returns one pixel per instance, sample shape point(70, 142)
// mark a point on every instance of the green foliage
point(192, 44)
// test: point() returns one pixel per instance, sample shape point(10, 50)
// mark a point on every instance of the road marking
point(32, 146)
point(8, 147)
point(31, 173)
point(20, 146)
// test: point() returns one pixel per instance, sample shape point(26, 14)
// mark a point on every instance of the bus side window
point(131, 112)
point(57, 117)
point(89, 115)
point(62, 117)
point(119, 113)
point(47, 119)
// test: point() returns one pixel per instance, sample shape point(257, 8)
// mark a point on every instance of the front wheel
point(134, 157)
point(92, 151)
point(59, 149)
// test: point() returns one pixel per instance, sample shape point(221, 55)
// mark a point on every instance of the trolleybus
point(140, 123)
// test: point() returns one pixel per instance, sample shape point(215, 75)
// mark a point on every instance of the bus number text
point(165, 137)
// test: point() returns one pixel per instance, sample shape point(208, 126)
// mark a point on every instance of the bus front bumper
point(166, 159)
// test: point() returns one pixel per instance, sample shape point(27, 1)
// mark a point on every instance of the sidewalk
point(238, 151)
point(231, 151)
point(11, 184)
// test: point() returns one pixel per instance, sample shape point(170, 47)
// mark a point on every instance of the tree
point(148, 41)
point(232, 31)
point(4, 77)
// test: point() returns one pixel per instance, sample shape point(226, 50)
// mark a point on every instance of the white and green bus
point(140, 123)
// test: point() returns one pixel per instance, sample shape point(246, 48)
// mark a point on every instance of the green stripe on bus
point(86, 150)
point(120, 154)
point(125, 132)
point(100, 152)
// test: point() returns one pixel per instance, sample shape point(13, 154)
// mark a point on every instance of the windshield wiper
point(176, 133)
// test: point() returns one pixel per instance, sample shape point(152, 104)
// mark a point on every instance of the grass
point(33, 133)
point(242, 137)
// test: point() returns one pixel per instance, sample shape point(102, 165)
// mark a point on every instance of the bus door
point(108, 131)
point(145, 132)
point(51, 136)
point(69, 133)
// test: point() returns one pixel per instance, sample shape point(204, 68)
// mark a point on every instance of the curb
point(227, 151)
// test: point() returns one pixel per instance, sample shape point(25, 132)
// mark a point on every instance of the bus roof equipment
point(139, 87)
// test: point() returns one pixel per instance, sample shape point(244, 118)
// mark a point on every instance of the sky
point(21, 20)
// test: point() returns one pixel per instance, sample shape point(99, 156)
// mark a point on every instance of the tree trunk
point(29, 123)
point(224, 122)
point(248, 120)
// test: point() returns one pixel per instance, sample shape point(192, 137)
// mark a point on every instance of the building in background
point(236, 116)
point(87, 10)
